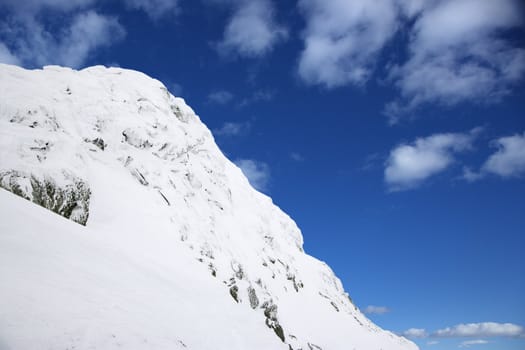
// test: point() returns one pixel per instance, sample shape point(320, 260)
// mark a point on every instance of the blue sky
point(393, 132)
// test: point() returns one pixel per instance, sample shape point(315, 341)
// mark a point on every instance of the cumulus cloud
point(377, 310)
point(252, 30)
point(343, 38)
point(220, 97)
point(457, 50)
point(509, 159)
point(410, 164)
point(469, 343)
point(232, 129)
point(483, 329)
point(457, 53)
point(155, 9)
point(258, 173)
point(415, 333)
point(432, 342)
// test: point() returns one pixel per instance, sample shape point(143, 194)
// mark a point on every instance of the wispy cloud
point(252, 30)
point(377, 310)
point(469, 343)
point(82, 34)
point(88, 31)
point(483, 329)
point(298, 157)
point(26, 39)
point(470, 175)
point(415, 333)
point(155, 9)
point(470, 330)
point(31, 7)
point(6, 56)
point(257, 96)
point(233, 129)
point(220, 97)
point(176, 89)
point(372, 161)
point(409, 165)
point(258, 173)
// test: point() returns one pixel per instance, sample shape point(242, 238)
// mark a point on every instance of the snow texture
point(175, 250)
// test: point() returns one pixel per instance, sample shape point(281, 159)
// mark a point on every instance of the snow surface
point(178, 252)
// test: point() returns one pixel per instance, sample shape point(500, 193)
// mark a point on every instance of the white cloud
point(509, 159)
point(432, 342)
point(457, 50)
point(483, 329)
point(257, 96)
point(457, 53)
point(30, 7)
point(298, 157)
point(155, 9)
point(415, 333)
point(469, 343)
point(343, 38)
point(221, 97)
point(252, 30)
point(232, 129)
point(176, 89)
point(258, 173)
point(410, 164)
point(6, 56)
point(411, 8)
point(471, 176)
point(469, 330)
point(88, 31)
point(378, 310)
point(372, 161)
point(29, 42)
point(71, 46)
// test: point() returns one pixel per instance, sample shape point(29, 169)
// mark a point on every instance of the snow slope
point(167, 246)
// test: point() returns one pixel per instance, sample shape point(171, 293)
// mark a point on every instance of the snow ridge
point(113, 150)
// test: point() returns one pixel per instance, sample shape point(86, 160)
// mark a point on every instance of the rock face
point(70, 198)
point(113, 150)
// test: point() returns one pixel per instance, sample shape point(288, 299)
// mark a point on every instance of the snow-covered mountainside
point(160, 241)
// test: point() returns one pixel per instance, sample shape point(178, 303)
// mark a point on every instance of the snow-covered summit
point(174, 249)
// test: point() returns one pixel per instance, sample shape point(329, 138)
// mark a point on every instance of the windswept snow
point(177, 251)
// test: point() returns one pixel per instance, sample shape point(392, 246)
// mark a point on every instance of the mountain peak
point(171, 232)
